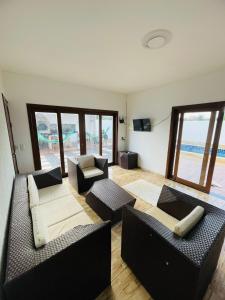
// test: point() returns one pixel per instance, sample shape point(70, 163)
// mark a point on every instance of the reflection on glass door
point(92, 134)
point(71, 136)
point(107, 137)
point(48, 139)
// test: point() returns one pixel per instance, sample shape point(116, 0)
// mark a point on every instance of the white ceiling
point(98, 42)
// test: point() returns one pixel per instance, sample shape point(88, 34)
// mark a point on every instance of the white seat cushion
point(92, 172)
point(60, 209)
point(60, 228)
point(40, 231)
point(53, 192)
point(186, 224)
point(86, 161)
point(164, 218)
point(33, 191)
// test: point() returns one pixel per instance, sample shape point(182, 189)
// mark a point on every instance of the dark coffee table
point(107, 199)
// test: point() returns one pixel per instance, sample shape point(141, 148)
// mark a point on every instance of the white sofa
point(54, 211)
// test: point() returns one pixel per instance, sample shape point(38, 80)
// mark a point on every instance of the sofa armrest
point(70, 238)
point(46, 178)
point(78, 263)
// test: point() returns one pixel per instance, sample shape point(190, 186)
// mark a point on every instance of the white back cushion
point(40, 230)
point(186, 224)
point(33, 192)
point(86, 161)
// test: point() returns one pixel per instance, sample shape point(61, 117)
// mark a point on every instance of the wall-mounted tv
point(142, 124)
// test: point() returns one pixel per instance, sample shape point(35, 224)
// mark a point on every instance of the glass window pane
point(107, 137)
point(193, 145)
point(71, 136)
point(92, 134)
point(48, 139)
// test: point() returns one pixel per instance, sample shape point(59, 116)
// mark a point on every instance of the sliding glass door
point(59, 133)
point(48, 139)
point(92, 134)
point(193, 155)
point(194, 138)
point(107, 137)
point(99, 130)
point(70, 136)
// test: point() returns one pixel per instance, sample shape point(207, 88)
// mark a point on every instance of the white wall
point(22, 89)
point(6, 173)
point(156, 104)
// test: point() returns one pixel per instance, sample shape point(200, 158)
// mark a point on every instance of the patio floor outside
point(190, 168)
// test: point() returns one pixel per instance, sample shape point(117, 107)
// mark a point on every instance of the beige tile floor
point(124, 284)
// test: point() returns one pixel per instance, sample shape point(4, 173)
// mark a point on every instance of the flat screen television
point(142, 124)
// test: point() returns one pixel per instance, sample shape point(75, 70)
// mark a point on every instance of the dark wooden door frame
point(174, 135)
point(61, 146)
point(100, 134)
point(177, 150)
point(10, 133)
point(32, 108)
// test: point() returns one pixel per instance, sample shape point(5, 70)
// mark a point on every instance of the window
point(58, 133)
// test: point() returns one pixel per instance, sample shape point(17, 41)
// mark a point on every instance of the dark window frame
point(174, 130)
point(32, 108)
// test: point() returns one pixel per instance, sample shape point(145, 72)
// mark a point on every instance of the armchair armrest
point(75, 174)
point(46, 178)
point(101, 163)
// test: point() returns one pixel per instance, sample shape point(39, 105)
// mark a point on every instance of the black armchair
point(168, 266)
point(78, 178)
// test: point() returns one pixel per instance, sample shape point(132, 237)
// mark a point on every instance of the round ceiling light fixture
point(156, 39)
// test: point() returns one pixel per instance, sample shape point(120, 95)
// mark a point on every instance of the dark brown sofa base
point(77, 265)
point(81, 271)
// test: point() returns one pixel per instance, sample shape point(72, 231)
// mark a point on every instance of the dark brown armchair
point(82, 174)
point(168, 266)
